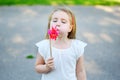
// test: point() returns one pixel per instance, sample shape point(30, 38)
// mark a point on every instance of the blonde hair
point(72, 34)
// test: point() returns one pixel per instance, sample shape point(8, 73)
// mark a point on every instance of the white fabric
point(64, 59)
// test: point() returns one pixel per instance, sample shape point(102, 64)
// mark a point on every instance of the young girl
point(67, 59)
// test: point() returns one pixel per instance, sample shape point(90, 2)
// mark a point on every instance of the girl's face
point(61, 20)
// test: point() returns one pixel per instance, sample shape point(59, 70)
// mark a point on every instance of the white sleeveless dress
point(64, 59)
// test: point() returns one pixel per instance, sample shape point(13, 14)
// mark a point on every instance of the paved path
point(21, 27)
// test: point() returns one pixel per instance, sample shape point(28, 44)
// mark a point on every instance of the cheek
point(65, 28)
point(51, 25)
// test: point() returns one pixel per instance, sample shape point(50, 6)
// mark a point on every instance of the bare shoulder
point(80, 59)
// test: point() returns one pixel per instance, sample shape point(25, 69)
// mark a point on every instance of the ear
point(70, 28)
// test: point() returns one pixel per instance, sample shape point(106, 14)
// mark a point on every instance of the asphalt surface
point(22, 26)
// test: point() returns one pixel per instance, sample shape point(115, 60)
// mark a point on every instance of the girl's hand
point(50, 64)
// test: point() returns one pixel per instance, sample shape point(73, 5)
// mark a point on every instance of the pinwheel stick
point(50, 48)
point(53, 34)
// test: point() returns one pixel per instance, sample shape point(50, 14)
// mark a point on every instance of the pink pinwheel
point(53, 33)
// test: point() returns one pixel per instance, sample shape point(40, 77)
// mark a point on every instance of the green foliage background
point(60, 2)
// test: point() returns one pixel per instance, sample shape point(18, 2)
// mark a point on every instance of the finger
point(50, 58)
point(50, 61)
point(52, 64)
point(52, 67)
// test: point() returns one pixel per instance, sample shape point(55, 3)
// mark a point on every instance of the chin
point(60, 36)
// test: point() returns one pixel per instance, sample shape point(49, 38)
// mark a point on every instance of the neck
point(60, 40)
point(61, 43)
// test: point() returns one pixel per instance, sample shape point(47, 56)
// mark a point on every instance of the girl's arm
point(80, 69)
point(40, 65)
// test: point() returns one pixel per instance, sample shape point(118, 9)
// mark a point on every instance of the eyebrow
point(61, 18)
point(54, 18)
point(64, 19)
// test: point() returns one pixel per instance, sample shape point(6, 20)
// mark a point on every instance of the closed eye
point(54, 20)
point(64, 21)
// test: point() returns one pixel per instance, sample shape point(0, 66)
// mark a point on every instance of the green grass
point(60, 2)
point(29, 56)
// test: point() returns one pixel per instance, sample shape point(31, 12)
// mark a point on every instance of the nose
point(58, 23)
point(57, 27)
